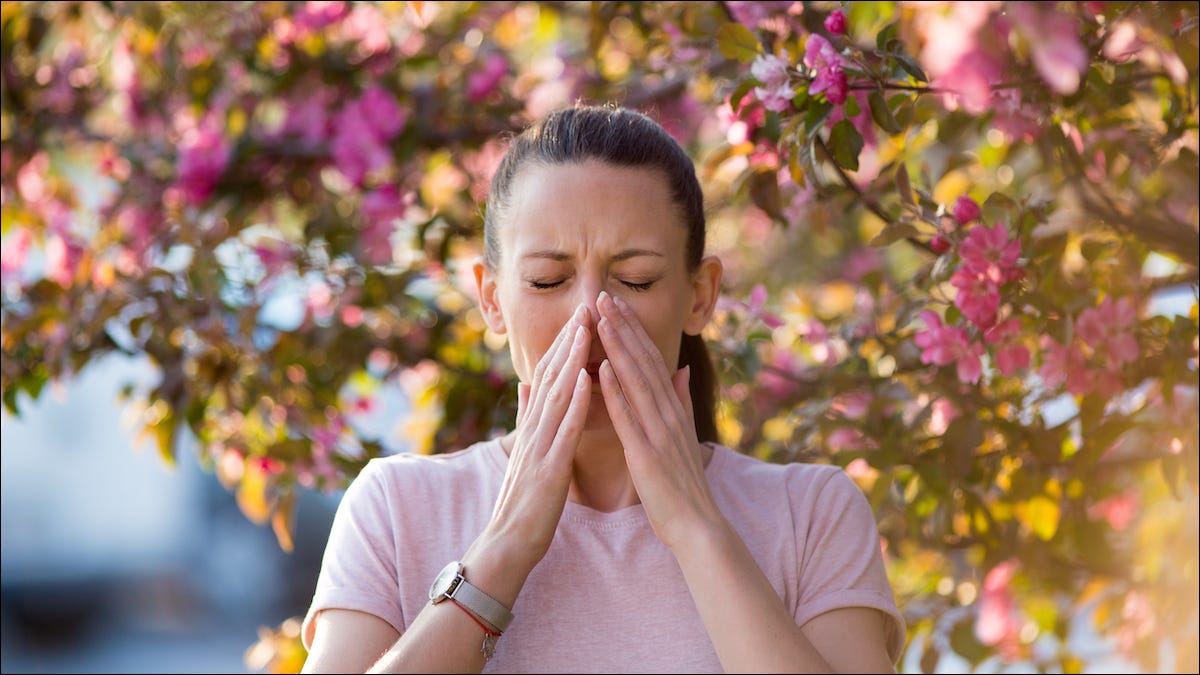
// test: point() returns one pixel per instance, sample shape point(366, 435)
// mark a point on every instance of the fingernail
point(601, 297)
point(687, 373)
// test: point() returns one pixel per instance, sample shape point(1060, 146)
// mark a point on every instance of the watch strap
point(485, 607)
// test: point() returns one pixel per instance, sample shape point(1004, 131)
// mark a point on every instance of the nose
point(589, 290)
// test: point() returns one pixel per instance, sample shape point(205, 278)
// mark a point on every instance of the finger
point(550, 365)
point(522, 402)
point(570, 429)
point(648, 353)
point(620, 412)
point(682, 382)
point(645, 387)
point(558, 396)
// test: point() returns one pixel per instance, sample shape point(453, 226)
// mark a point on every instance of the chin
point(597, 417)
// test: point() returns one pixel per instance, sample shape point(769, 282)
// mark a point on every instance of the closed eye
point(641, 288)
point(543, 285)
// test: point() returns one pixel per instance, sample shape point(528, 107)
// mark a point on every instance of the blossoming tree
point(960, 239)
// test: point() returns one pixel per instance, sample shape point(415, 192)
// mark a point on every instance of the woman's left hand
point(651, 410)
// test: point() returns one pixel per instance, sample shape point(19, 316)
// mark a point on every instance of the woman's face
point(574, 230)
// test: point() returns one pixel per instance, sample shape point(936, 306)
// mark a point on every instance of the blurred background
point(113, 561)
point(961, 244)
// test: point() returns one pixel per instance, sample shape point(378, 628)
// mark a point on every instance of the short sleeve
point(358, 570)
point(841, 562)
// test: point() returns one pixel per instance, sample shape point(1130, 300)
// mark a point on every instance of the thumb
point(681, 381)
point(522, 402)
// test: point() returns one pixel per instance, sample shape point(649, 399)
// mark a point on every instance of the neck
point(600, 478)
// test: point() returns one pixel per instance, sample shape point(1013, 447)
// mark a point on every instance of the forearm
point(444, 637)
point(749, 626)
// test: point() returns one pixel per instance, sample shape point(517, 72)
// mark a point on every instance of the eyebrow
point(560, 256)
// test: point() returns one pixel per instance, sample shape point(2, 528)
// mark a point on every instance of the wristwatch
point(450, 585)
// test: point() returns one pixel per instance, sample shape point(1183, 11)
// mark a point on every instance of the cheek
point(533, 326)
point(664, 326)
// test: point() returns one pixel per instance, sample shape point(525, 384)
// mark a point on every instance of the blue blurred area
point(113, 561)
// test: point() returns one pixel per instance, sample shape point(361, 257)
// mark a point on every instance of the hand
point(551, 411)
point(651, 411)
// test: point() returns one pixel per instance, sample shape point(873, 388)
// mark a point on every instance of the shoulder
point(479, 463)
point(407, 466)
point(809, 491)
point(732, 466)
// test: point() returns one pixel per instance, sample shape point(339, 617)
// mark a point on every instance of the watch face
point(444, 582)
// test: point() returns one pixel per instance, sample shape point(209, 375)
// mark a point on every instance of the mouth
point(593, 369)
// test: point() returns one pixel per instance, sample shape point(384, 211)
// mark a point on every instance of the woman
point(608, 531)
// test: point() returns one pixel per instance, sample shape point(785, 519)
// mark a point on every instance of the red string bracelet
point(474, 618)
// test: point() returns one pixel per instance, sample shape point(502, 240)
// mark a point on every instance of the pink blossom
point(942, 413)
point(861, 262)
point(1108, 329)
point(1122, 42)
point(776, 92)
point(1064, 364)
point(822, 57)
point(1011, 356)
point(939, 244)
point(943, 345)
point(751, 14)
point(1119, 510)
point(999, 622)
point(969, 82)
point(62, 259)
point(836, 22)
point(380, 210)
point(989, 253)
point(977, 298)
point(484, 81)
point(852, 405)
point(367, 26)
point(203, 156)
point(317, 14)
point(308, 115)
point(1058, 54)
point(13, 253)
point(31, 178)
point(274, 255)
point(756, 307)
point(845, 438)
point(1138, 620)
point(319, 301)
point(364, 127)
point(776, 379)
point(965, 210)
point(138, 226)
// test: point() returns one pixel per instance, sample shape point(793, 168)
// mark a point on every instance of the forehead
point(591, 204)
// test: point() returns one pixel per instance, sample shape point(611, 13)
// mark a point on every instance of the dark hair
point(621, 137)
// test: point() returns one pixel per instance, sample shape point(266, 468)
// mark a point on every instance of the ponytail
point(702, 385)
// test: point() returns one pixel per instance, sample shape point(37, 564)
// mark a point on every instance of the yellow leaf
point(252, 494)
point(1040, 514)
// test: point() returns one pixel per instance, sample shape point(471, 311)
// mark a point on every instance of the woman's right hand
point(551, 411)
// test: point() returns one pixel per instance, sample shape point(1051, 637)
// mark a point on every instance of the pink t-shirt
point(607, 596)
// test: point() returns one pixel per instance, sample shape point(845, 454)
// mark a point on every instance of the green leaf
point(743, 88)
point(764, 190)
point(903, 185)
point(910, 66)
point(882, 114)
point(737, 42)
point(892, 234)
point(817, 114)
point(845, 143)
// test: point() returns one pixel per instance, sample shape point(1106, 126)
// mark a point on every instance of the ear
point(706, 287)
point(489, 300)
